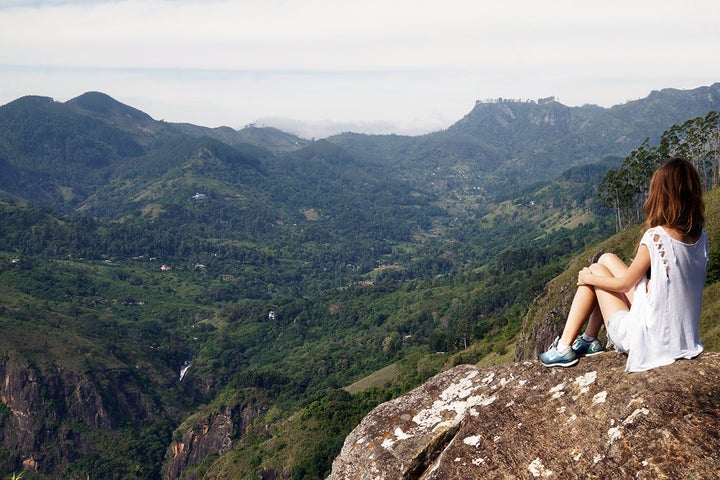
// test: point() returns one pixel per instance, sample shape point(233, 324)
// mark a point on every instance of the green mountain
point(295, 284)
point(503, 145)
point(62, 154)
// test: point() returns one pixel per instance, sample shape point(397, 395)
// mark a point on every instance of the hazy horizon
point(322, 67)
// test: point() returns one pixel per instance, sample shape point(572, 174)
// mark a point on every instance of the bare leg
point(593, 326)
point(593, 305)
point(616, 268)
point(583, 305)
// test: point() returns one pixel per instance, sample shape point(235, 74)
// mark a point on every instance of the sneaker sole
point(568, 364)
point(590, 354)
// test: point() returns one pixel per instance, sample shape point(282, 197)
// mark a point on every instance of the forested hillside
point(502, 145)
point(273, 272)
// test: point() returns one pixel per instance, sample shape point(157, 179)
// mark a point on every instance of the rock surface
point(211, 436)
point(44, 411)
point(523, 420)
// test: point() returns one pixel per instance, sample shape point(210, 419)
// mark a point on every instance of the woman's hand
point(584, 276)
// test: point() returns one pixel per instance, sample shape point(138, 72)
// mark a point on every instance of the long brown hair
point(675, 198)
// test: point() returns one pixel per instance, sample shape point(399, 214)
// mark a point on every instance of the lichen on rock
point(522, 420)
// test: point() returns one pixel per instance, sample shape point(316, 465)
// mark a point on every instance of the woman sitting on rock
point(653, 318)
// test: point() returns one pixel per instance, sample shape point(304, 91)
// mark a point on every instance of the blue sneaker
point(552, 358)
point(583, 348)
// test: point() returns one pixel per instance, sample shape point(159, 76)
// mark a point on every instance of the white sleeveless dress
point(663, 323)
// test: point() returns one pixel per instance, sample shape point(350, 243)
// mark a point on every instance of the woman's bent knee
point(613, 264)
point(600, 270)
point(609, 259)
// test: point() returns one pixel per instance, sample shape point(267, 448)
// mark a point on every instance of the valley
point(304, 282)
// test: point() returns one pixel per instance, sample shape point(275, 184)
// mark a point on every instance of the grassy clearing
point(380, 379)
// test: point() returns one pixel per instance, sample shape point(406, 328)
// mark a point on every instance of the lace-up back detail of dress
point(660, 246)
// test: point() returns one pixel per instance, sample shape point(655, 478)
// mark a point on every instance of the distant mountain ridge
point(505, 144)
point(102, 104)
point(78, 148)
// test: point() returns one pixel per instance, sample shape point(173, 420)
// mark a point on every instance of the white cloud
point(370, 62)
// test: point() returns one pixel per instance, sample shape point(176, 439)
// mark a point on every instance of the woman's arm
point(623, 283)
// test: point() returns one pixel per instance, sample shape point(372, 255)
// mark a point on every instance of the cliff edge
point(523, 420)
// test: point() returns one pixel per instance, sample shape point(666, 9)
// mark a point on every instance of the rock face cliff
point(523, 420)
point(46, 412)
point(211, 435)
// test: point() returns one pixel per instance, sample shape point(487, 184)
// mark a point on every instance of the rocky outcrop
point(42, 405)
point(539, 330)
point(523, 420)
point(210, 435)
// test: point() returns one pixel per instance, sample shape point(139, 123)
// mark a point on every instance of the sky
point(319, 67)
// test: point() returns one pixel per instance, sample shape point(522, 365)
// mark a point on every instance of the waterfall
point(184, 369)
